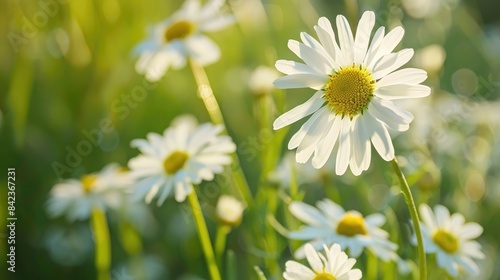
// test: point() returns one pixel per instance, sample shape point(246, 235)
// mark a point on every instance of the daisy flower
point(356, 83)
point(77, 198)
point(180, 37)
point(333, 265)
point(185, 154)
point(229, 210)
point(330, 223)
point(451, 239)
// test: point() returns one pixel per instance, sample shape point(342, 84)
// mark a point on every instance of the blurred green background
point(67, 65)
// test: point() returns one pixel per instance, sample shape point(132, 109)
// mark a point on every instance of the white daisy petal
point(299, 112)
point(373, 49)
point(362, 39)
point(381, 140)
point(310, 56)
point(301, 81)
point(312, 137)
point(388, 117)
point(291, 67)
point(344, 147)
point(325, 145)
point(407, 76)
point(388, 43)
point(202, 49)
point(299, 135)
point(315, 45)
point(395, 92)
point(391, 62)
point(346, 39)
point(327, 37)
point(307, 213)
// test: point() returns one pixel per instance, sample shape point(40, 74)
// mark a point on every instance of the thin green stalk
point(220, 242)
point(206, 94)
point(102, 244)
point(372, 266)
point(204, 236)
point(414, 216)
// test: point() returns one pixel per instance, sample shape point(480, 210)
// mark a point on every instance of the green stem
point(372, 267)
point(220, 242)
point(102, 244)
point(206, 94)
point(414, 216)
point(204, 236)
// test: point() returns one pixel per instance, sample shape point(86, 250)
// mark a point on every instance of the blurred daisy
point(261, 80)
point(77, 198)
point(229, 210)
point(356, 84)
point(173, 41)
point(184, 155)
point(451, 239)
point(333, 265)
point(330, 224)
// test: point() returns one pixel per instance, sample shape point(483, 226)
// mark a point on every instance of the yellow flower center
point(446, 240)
point(324, 276)
point(349, 91)
point(352, 224)
point(88, 182)
point(174, 162)
point(179, 30)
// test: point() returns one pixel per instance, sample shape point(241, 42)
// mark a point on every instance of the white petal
point(388, 44)
point(313, 136)
point(381, 140)
point(391, 62)
point(363, 33)
point(346, 39)
point(325, 145)
point(315, 45)
point(343, 157)
point(310, 56)
point(395, 92)
point(364, 139)
point(307, 214)
point(313, 258)
point(470, 231)
point(291, 67)
point(301, 81)
point(217, 23)
point(202, 49)
point(330, 209)
point(360, 145)
point(442, 216)
point(427, 216)
point(166, 189)
point(407, 76)
point(182, 189)
point(299, 112)
point(373, 49)
point(301, 133)
point(387, 116)
point(327, 37)
point(392, 110)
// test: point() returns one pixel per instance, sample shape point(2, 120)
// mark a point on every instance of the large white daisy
point(451, 239)
point(330, 223)
point(76, 198)
point(356, 83)
point(185, 154)
point(333, 265)
point(180, 37)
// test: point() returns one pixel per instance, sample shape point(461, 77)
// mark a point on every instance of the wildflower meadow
point(250, 139)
